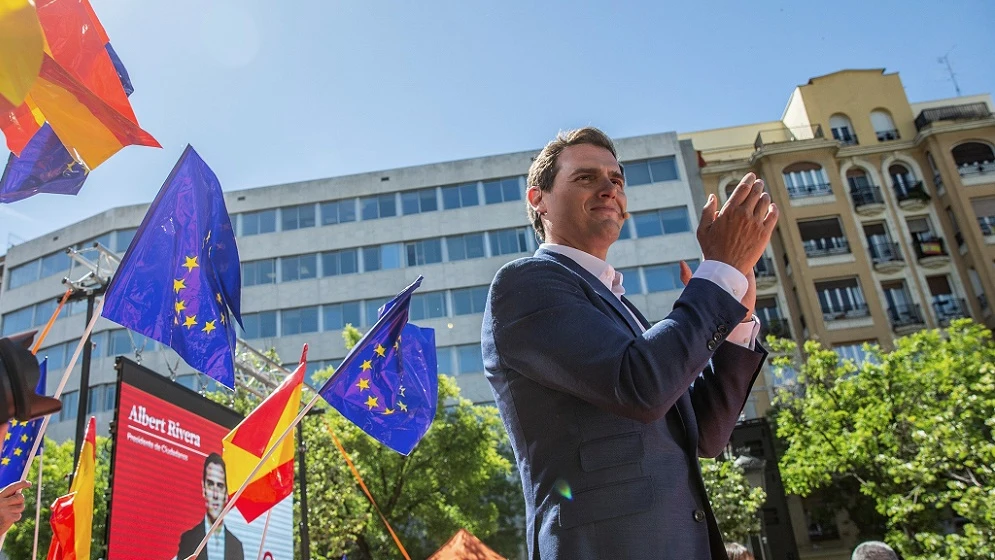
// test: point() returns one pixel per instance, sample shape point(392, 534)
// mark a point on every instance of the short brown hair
point(544, 167)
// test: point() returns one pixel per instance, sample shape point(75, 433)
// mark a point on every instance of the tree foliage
point(735, 503)
point(912, 427)
point(57, 466)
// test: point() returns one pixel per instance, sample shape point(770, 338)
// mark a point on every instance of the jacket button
point(712, 345)
point(699, 515)
point(717, 337)
point(723, 329)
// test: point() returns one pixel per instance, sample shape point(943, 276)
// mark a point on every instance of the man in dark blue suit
point(607, 413)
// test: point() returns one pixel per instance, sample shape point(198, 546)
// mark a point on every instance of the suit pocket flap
point(612, 451)
point(607, 502)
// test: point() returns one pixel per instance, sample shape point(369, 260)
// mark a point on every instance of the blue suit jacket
point(603, 418)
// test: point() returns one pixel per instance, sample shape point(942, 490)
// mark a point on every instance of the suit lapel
point(595, 283)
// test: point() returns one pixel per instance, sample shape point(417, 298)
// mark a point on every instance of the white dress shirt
point(719, 273)
point(216, 543)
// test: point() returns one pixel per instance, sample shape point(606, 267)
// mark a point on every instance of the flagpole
point(34, 546)
point(62, 385)
point(262, 541)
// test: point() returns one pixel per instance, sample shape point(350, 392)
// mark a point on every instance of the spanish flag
point(21, 44)
point(245, 446)
point(72, 514)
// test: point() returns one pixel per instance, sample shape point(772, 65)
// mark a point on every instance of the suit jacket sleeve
point(545, 327)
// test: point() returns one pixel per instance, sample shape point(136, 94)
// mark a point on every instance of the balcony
point(987, 224)
point(931, 251)
point(826, 247)
point(949, 308)
point(911, 197)
point(867, 200)
point(850, 311)
point(905, 318)
point(777, 326)
point(765, 273)
point(845, 137)
point(805, 191)
point(886, 256)
point(977, 170)
point(887, 135)
point(785, 135)
point(965, 112)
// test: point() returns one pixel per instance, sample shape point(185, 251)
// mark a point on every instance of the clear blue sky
point(274, 92)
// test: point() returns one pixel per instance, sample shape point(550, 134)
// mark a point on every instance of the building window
point(842, 130)
point(70, 405)
point(884, 126)
point(460, 196)
point(416, 202)
point(661, 222)
point(43, 311)
point(382, 257)
point(337, 263)
point(471, 359)
point(841, 299)
point(297, 217)
point(96, 399)
point(974, 158)
point(23, 274)
point(337, 315)
point(122, 239)
point(56, 263)
point(822, 238)
point(937, 178)
point(630, 280)
point(806, 179)
point(18, 321)
point(855, 352)
point(509, 241)
point(300, 267)
point(984, 211)
point(103, 240)
point(444, 355)
point(119, 343)
point(463, 247)
point(902, 311)
point(259, 272)
point(650, 171)
point(298, 321)
point(467, 301)
point(879, 242)
point(56, 356)
point(665, 277)
point(375, 207)
point(255, 223)
point(338, 212)
point(259, 325)
point(430, 305)
point(426, 251)
point(373, 309)
point(502, 190)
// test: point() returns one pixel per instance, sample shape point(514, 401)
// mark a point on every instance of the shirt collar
point(208, 523)
point(600, 269)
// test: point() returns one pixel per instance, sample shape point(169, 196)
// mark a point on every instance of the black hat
point(18, 379)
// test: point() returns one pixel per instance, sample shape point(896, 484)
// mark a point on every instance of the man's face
point(215, 490)
point(585, 206)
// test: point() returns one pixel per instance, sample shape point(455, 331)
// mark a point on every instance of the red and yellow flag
point(21, 44)
point(254, 436)
point(72, 514)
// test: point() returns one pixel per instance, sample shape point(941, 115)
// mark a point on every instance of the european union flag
point(180, 282)
point(389, 384)
point(20, 439)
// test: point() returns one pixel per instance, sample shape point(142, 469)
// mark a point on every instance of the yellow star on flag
point(180, 305)
point(217, 297)
point(371, 402)
point(5, 461)
point(178, 285)
point(367, 365)
point(24, 438)
point(380, 350)
point(388, 412)
point(208, 327)
point(6, 437)
point(18, 451)
point(402, 406)
point(222, 318)
point(401, 390)
point(190, 263)
point(190, 321)
point(363, 383)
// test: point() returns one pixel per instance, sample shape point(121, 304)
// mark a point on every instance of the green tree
point(57, 467)
point(735, 503)
point(913, 428)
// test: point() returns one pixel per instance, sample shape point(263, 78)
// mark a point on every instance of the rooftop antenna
point(945, 60)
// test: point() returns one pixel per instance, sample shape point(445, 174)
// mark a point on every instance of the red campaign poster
point(168, 477)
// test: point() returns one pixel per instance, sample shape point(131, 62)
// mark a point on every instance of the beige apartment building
point(887, 219)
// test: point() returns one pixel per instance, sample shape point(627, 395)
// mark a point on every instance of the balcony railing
point(905, 315)
point(911, 192)
point(886, 135)
point(987, 224)
point(764, 268)
point(845, 137)
point(967, 111)
point(930, 246)
point(949, 308)
point(882, 252)
point(976, 168)
point(776, 326)
point(803, 191)
point(826, 246)
point(781, 135)
point(851, 311)
point(865, 195)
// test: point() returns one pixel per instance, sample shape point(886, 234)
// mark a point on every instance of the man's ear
point(535, 199)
